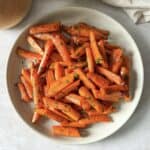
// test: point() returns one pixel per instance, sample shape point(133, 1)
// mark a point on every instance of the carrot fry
point(55, 57)
point(65, 131)
point(78, 100)
point(117, 60)
point(110, 46)
point(50, 77)
point(70, 88)
point(45, 58)
point(27, 86)
point(59, 71)
point(24, 95)
point(90, 60)
point(50, 115)
point(100, 81)
point(28, 54)
point(34, 44)
point(60, 84)
point(112, 88)
point(61, 47)
point(26, 75)
point(110, 75)
point(65, 108)
point(83, 91)
point(79, 40)
point(95, 51)
point(35, 117)
point(42, 36)
point(51, 27)
point(73, 124)
point(84, 79)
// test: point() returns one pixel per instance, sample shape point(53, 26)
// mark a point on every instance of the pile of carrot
point(75, 76)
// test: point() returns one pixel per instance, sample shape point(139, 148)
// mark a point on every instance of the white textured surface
point(15, 135)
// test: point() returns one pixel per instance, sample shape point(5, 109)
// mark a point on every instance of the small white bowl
point(119, 35)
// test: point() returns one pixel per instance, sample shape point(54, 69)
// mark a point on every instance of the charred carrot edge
point(83, 91)
point(65, 108)
point(45, 58)
point(23, 93)
point(28, 54)
point(100, 81)
point(51, 27)
point(90, 59)
point(27, 86)
point(26, 75)
point(34, 44)
point(59, 71)
point(65, 131)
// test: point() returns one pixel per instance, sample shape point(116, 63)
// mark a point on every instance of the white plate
point(119, 35)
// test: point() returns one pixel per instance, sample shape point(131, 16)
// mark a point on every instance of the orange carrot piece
point(26, 75)
point(28, 54)
point(90, 60)
point(112, 88)
point(45, 58)
point(51, 27)
point(70, 88)
point(73, 124)
point(65, 108)
point(110, 75)
point(50, 77)
point(27, 86)
point(34, 44)
point(23, 93)
point(60, 84)
point(50, 115)
point(110, 46)
point(65, 131)
point(83, 91)
point(79, 39)
point(55, 57)
point(42, 36)
point(100, 81)
point(78, 100)
point(35, 117)
point(84, 79)
point(59, 71)
point(61, 47)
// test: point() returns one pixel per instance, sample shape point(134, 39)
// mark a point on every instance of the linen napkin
point(138, 10)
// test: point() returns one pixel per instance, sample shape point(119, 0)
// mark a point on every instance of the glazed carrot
point(73, 124)
point(55, 57)
point(65, 108)
point(112, 88)
point(83, 91)
point(49, 114)
point(84, 79)
point(34, 44)
point(44, 62)
point(35, 117)
point(26, 75)
point(51, 27)
point(90, 60)
point(28, 54)
point(42, 36)
point(99, 80)
point(78, 100)
point(59, 71)
point(113, 97)
point(60, 84)
point(65, 131)
point(27, 86)
point(110, 75)
point(50, 77)
point(79, 39)
point(95, 51)
point(70, 88)
point(61, 47)
point(117, 60)
point(110, 46)
point(23, 93)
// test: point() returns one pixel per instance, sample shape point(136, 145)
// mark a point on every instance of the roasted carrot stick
point(45, 58)
point(70, 88)
point(73, 124)
point(65, 108)
point(65, 131)
point(51, 27)
point(79, 39)
point(27, 86)
point(55, 57)
point(100, 81)
point(28, 54)
point(50, 77)
point(112, 88)
point(110, 46)
point(42, 36)
point(59, 71)
point(34, 44)
point(78, 100)
point(84, 79)
point(90, 59)
point(110, 75)
point(61, 47)
point(83, 91)
point(23, 93)
point(26, 75)
point(50, 115)
point(60, 84)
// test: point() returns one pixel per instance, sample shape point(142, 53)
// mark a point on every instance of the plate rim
point(37, 21)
